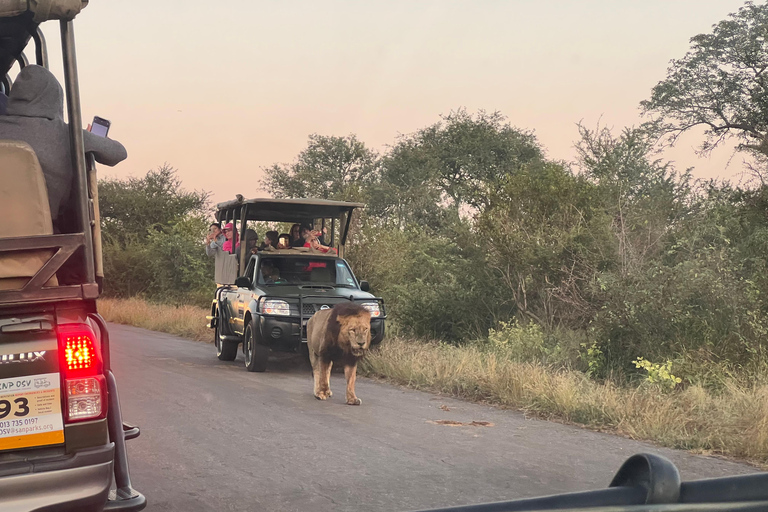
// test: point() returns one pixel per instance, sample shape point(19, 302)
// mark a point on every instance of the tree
point(153, 231)
point(645, 197)
point(719, 84)
point(545, 233)
point(329, 168)
point(133, 206)
point(408, 192)
point(468, 156)
point(450, 168)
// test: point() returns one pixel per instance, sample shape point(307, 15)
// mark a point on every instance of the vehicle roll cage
point(301, 211)
point(15, 33)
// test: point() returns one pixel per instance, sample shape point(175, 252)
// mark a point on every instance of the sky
point(220, 90)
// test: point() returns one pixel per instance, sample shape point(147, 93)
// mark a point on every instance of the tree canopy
point(329, 168)
point(132, 207)
point(719, 84)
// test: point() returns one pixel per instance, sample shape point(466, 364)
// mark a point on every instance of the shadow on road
point(283, 362)
point(288, 363)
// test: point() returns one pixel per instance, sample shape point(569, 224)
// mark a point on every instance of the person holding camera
point(312, 239)
point(214, 240)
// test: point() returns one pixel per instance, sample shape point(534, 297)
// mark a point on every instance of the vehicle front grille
point(307, 309)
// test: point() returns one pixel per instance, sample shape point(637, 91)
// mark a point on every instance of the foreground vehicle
point(648, 483)
point(62, 438)
point(268, 303)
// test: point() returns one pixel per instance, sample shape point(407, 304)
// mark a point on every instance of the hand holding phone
point(100, 126)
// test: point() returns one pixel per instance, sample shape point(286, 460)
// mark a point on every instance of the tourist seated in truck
point(270, 241)
point(35, 115)
point(251, 240)
point(295, 235)
point(312, 240)
point(301, 239)
point(284, 241)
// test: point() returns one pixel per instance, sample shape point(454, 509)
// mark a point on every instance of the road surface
point(217, 438)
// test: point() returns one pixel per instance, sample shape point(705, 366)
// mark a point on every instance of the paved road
point(215, 437)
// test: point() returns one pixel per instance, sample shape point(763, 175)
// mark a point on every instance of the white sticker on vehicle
point(30, 411)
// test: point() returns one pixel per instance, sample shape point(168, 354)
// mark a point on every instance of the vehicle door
point(244, 296)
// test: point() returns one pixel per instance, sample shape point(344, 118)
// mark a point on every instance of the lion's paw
point(322, 395)
point(354, 401)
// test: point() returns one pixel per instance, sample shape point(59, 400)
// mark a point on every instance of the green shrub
point(658, 374)
point(532, 344)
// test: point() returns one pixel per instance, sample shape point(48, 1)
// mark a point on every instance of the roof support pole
point(346, 227)
point(80, 189)
point(243, 248)
point(41, 49)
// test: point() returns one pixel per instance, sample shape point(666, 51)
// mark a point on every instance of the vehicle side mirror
point(243, 282)
point(365, 286)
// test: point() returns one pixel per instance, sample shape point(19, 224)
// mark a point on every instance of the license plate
point(30, 411)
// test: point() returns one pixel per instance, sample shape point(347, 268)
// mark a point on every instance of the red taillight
point(83, 383)
point(79, 352)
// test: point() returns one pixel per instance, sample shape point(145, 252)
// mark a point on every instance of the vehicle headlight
point(275, 307)
point(373, 307)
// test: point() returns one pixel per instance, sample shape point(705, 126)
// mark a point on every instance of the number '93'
point(21, 406)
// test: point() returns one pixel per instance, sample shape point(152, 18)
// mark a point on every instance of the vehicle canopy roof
point(42, 10)
point(286, 210)
point(19, 20)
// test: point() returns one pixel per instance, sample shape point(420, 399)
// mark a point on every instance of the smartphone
point(100, 126)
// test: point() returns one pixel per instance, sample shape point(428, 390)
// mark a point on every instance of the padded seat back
point(24, 211)
point(320, 275)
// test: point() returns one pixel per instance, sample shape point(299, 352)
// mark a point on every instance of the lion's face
point(355, 333)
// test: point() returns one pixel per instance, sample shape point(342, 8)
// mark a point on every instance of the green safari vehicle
point(62, 437)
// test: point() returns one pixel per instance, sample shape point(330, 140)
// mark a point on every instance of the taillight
point(79, 352)
point(85, 391)
point(85, 398)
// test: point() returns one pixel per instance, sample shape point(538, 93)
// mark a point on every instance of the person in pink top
point(231, 234)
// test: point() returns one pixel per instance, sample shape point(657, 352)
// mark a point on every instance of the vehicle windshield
point(305, 271)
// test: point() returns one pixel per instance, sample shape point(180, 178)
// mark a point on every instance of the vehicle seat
point(320, 275)
point(24, 211)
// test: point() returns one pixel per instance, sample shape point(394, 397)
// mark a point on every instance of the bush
point(559, 348)
point(432, 286)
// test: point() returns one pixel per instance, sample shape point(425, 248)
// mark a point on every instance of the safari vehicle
point(62, 438)
point(648, 483)
point(269, 309)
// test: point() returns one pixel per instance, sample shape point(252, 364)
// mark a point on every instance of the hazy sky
point(220, 92)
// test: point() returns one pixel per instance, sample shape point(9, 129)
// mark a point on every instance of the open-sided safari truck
point(62, 438)
point(264, 300)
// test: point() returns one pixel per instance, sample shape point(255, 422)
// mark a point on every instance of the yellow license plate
point(30, 411)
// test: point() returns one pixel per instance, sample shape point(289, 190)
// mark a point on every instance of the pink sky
point(221, 94)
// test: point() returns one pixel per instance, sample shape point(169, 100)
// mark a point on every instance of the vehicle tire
point(256, 353)
point(225, 350)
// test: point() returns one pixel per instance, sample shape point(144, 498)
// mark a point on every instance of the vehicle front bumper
point(287, 331)
point(77, 482)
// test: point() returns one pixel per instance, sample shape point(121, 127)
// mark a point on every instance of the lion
point(341, 334)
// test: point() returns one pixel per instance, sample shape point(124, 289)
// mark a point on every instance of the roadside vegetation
point(181, 320)
point(732, 421)
point(614, 291)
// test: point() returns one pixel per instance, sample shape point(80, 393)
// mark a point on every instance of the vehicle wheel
point(256, 354)
point(225, 350)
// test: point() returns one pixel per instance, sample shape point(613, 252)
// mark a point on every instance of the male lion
point(341, 334)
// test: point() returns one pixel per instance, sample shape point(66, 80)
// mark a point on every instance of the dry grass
point(186, 321)
point(732, 423)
